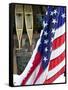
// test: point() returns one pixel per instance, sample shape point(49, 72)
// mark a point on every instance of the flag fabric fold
point(47, 62)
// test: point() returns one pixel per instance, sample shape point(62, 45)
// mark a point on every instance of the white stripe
point(56, 69)
point(33, 76)
point(60, 31)
point(60, 79)
point(44, 76)
point(55, 53)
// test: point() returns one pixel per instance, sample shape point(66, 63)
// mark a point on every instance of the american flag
point(47, 62)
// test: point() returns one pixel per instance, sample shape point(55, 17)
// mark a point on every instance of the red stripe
point(58, 41)
point(56, 61)
point(53, 78)
point(35, 64)
point(39, 73)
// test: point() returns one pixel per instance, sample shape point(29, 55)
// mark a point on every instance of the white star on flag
point(52, 13)
point(45, 41)
point(45, 33)
point(53, 30)
point(63, 15)
point(45, 24)
point(54, 21)
point(46, 49)
point(55, 12)
point(45, 59)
